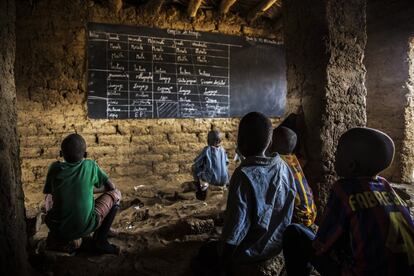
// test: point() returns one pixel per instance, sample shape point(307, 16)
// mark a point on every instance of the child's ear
point(60, 154)
point(85, 155)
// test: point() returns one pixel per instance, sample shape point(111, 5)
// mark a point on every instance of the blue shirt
point(260, 206)
point(211, 166)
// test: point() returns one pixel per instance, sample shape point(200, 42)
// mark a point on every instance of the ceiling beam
point(225, 6)
point(261, 8)
point(154, 6)
point(193, 7)
point(116, 5)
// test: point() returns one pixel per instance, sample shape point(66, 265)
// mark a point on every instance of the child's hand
point(48, 202)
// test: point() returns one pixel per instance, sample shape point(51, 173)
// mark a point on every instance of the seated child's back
point(261, 196)
point(365, 222)
point(71, 185)
point(211, 164)
point(284, 143)
point(364, 213)
point(74, 212)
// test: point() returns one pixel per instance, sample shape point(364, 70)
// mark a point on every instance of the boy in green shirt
point(74, 212)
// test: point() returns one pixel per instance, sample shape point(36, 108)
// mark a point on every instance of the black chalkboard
point(138, 72)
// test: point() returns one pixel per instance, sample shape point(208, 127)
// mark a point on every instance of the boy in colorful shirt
point(365, 223)
point(284, 143)
point(210, 166)
point(259, 206)
point(72, 212)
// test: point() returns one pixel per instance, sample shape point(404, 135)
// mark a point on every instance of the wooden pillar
point(325, 42)
point(13, 258)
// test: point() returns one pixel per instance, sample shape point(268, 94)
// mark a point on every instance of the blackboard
point(139, 72)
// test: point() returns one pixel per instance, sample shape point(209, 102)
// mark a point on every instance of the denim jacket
point(260, 205)
point(211, 166)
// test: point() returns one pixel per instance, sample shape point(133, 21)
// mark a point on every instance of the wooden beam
point(116, 5)
point(193, 7)
point(225, 6)
point(154, 6)
point(261, 8)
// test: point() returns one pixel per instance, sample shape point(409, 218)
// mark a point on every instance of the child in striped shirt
point(284, 143)
point(366, 228)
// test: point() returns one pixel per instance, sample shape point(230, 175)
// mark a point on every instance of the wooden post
point(261, 8)
point(154, 6)
point(193, 7)
point(116, 5)
point(225, 6)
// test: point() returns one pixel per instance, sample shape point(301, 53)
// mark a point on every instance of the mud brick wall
point(389, 100)
point(13, 258)
point(407, 158)
point(325, 44)
point(51, 86)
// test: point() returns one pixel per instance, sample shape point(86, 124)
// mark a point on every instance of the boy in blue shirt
point(260, 203)
point(210, 166)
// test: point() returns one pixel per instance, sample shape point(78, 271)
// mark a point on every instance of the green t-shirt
point(71, 185)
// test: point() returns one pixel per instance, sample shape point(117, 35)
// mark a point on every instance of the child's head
point(213, 138)
point(363, 152)
point(73, 148)
point(255, 131)
point(283, 141)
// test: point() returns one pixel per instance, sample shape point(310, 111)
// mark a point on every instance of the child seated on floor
point(259, 206)
point(284, 143)
point(210, 166)
point(72, 212)
point(365, 224)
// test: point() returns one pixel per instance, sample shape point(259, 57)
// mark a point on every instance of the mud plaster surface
point(12, 226)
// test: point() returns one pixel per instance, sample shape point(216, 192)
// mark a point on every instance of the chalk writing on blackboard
point(151, 73)
point(151, 77)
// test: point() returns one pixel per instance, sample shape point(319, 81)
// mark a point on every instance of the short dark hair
point(283, 141)
point(213, 138)
point(363, 152)
point(73, 148)
point(254, 136)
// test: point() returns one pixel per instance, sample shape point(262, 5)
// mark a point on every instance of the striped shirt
point(305, 208)
point(372, 226)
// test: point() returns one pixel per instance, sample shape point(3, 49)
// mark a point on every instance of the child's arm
point(237, 216)
point(48, 202)
point(198, 165)
point(101, 181)
point(47, 189)
point(106, 187)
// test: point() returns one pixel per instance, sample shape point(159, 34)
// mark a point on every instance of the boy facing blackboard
point(210, 166)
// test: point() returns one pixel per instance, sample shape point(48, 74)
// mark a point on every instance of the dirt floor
point(160, 230)
point(159, 233)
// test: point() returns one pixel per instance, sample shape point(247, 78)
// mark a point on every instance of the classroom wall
point(13, 257)
point(325, 44)
point(389, 99)
point(51, 87)
point(407, 158)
